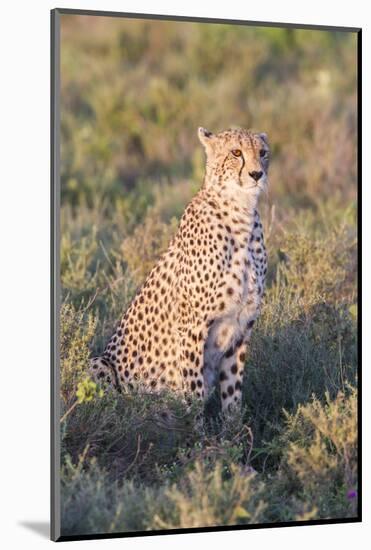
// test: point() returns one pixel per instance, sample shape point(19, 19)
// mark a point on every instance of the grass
point(130, 163)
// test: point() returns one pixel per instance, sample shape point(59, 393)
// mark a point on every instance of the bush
point(207, 497)
point(77, 330)
point(319, 464)
point(322, 452)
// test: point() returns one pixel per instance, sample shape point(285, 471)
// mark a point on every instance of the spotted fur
point(188, 326)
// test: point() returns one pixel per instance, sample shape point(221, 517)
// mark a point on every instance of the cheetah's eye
point(262, 152)
point(236, 152)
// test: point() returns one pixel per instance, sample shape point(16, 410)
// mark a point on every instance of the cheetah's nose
point(256, 175)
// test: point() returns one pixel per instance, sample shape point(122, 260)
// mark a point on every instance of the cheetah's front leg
point(231, 375)
point(192, 361)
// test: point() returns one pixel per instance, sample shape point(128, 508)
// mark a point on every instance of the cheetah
point(189, 324)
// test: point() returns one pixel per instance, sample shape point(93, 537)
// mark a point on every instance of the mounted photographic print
point(205, 191)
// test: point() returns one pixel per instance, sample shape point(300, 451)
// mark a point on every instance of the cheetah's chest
point(245, 273)
point(244, 284)
point(245, 280)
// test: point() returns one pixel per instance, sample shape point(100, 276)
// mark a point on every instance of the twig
point(136, 456)
point(68, 411)
point(91, 301)
point(106, 255)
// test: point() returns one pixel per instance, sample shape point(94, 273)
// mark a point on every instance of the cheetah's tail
point(104, 373)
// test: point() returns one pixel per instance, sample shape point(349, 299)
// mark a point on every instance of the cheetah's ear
point(264, 137)
point(205, 137)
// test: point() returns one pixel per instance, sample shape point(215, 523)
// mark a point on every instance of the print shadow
point(41, 528)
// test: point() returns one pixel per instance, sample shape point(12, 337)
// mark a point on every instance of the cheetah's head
point(236, 160)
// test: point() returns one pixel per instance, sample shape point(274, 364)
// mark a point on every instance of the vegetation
point(133, 95)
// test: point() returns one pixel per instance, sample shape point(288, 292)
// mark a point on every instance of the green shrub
point(320, 462)
point(77, 330)
point(207, 497)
